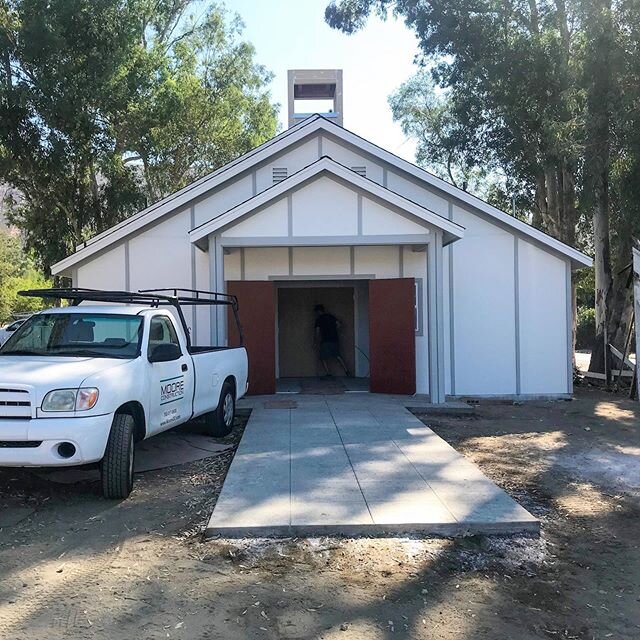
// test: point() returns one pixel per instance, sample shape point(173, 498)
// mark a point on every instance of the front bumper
point(88, 435)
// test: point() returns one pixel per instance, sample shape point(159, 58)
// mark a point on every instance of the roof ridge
point(315, 124)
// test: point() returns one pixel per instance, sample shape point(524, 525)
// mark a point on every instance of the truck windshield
point(91, 335)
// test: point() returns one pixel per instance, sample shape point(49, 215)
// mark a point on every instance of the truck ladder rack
point(152, 297)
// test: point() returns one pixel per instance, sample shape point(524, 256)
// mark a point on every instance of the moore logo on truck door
point(171, 389)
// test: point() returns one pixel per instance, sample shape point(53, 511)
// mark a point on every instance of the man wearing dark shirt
point(326, 338)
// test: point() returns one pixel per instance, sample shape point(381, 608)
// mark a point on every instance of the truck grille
point(15, 403)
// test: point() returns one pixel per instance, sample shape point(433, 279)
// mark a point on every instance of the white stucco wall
point(418, 192)
point(414, 265)
point(293, 160)
point(543, 322)
point(161, 256)
point(223, 199)
point(260, 263)
point(104, 271)
point(377, 220)
point(483, 308)
point(271, 221)
point(325, 208)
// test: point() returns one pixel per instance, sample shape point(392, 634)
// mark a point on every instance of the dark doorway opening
point(297, 356)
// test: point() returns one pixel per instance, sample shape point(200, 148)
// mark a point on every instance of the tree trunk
point(602, 267)
point(540, 210)
point(567, 234)
point(535, 19)
point(569, 214)
point(600, 96)
point(552, 217)
point(621, 298)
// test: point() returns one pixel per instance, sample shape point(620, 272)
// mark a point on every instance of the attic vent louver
point(279, 174)
point(361, 171)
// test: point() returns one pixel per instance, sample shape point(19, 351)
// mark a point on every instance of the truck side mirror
point(165, 353)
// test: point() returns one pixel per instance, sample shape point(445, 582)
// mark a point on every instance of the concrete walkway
point(354, 465)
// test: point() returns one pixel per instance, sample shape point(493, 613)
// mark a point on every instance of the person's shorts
point(329, 350)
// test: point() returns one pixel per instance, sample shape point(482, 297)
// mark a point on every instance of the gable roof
point(327, 166)
point(282, 141)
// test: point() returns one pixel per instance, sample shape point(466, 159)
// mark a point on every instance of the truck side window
point(162, 331)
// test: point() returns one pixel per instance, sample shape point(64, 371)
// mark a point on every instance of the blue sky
point(290, 34)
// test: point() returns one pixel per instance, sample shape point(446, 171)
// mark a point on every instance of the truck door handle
point(184, 367)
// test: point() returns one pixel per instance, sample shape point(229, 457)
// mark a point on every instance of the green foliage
point(508, 75)
point(108, 105)
point(515, 76)
point(585, 282)
point(17, 272)
point(427, 114)
point(585, 328)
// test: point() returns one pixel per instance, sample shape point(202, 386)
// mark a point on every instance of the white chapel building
point(437, 292)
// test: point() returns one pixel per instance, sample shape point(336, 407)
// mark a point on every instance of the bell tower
point(315, 91)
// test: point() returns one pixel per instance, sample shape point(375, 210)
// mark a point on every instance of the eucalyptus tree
point(108, 105)
point(508, 68)
point(549, 91)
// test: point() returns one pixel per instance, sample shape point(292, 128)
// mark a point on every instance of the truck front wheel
point(116, 468)
point(220, 421)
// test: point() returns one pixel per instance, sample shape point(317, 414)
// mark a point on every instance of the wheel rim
point(227, 409)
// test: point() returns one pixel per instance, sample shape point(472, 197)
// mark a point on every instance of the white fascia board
point(476, 203)
point(182, 198)
point(326, 165)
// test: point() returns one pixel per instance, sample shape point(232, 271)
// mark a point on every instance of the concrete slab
point(365, 466)
point(328, 511)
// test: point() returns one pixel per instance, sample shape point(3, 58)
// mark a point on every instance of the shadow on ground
point(80, 567)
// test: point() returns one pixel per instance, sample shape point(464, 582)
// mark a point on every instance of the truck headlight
point(70, 399)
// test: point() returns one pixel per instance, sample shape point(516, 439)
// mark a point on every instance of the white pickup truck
point(81, 384)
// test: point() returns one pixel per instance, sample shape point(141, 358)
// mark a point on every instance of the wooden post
point(607, 358)
point(623, 359)
point(636, 311)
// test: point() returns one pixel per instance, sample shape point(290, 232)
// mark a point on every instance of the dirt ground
point(77, 566)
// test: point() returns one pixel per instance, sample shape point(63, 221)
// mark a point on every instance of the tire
point(116, 468)
point(220, 421)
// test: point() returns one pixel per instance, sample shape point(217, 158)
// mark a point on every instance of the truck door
point(171, 382)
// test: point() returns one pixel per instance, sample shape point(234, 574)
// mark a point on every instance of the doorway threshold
point(322, 386)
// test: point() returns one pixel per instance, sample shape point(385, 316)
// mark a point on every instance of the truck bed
point(212, 366)
point(196, 350)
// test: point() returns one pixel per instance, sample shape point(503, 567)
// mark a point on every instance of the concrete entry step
point(336, 465)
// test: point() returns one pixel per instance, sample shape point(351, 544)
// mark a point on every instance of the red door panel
point(257, 312)
point(392, 336)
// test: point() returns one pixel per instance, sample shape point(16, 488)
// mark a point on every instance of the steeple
point(314, 91)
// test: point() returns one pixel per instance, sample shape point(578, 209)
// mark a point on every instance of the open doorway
point(299, 365)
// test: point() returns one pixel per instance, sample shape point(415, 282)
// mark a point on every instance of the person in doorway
point(326, 339)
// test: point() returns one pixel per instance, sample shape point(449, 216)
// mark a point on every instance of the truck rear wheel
point(220, 421)
point(116, 468)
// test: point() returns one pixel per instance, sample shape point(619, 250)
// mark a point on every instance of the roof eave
point(291, 136)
